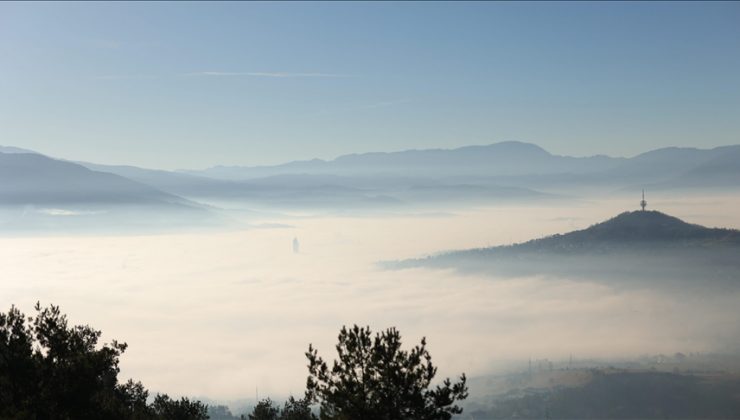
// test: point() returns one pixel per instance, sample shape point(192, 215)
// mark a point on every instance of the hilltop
point(632, 229)
point(639, 244)
point(628, 230)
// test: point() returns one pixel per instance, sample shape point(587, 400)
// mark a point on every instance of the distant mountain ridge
point(349, 185)
point(524, 165)
point(496, 173)
point(34, 179)
point(657, 167)
point(39, 194)
point(505, 158)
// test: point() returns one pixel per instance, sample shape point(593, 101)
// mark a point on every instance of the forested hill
point(632, 244)
point(634, 229)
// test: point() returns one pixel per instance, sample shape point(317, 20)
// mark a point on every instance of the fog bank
point(223, 313)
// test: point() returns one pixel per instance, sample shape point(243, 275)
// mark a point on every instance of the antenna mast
point(643, 203)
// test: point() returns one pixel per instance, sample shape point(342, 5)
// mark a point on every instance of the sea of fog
point(226, 314)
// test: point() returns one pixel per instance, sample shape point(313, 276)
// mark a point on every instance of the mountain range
point(34, 179)
point(518, 163)
point(501, 172)
point(505, 158)
point(498, 173)
point(38, 193)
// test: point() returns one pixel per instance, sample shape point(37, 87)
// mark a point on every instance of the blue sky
point(190, 85)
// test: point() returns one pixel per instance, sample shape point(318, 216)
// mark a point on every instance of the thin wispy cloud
point(278, 74)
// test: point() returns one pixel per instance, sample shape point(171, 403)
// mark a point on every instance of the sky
point(191, 85)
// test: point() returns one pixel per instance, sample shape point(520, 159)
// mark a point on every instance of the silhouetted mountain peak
point(503, 150)
point(641, 234)
point(518, 146)
point(641, 226)
point(651, 225)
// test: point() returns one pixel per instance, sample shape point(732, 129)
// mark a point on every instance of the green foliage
point(375, 379)
point(297, 410)
point(292, 410)
point(166, 408)
point(265, 410)
point(50, 370)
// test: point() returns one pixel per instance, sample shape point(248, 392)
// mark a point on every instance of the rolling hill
point(34, 179)
point(634, 229)
point(41, 194)
point(633, 246)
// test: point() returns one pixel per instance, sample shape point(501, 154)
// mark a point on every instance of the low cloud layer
point(221, 314)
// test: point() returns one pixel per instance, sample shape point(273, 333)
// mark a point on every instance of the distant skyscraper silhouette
point(643, 203)
point(296, 246)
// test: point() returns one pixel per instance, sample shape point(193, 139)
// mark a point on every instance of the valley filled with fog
point(369, 210)
point(227, 312)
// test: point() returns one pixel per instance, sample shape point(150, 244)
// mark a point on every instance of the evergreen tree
point(297, 410)
point(373, 379)
point(51, 370)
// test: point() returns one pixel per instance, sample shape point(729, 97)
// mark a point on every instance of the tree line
point(52, 370)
